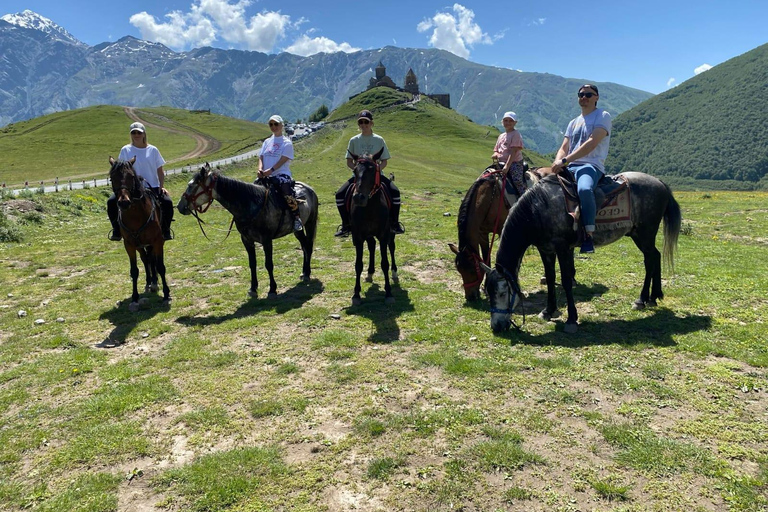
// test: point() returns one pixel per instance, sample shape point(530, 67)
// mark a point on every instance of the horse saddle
point(276, 193)
point(494, 171)
point(612, 198)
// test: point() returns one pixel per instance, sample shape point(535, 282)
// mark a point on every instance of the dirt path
point(204, 145)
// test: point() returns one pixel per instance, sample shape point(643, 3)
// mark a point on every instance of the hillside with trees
point(709, 132)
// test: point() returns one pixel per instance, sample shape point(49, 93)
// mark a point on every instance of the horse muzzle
point(124, 204)
point(183, 207)
point(500, 322)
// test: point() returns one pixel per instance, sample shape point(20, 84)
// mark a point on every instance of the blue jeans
point(586, 177)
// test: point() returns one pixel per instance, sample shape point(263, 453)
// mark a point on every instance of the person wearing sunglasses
point(583, 153)
point(509, 152)
point(367, 142)
point(148, 165)
point(274, 166)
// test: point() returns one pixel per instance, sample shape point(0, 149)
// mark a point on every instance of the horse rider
point(149, 166)
point(367, 142)
point(274, 164)
point(509, 152)
point(583, 154)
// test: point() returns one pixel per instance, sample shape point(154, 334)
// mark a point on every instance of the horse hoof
point(133, 307)
point(303, 278)
point(571, 328)
point(356, 301)
point(272, 295)
point(153, 288)
point(389, 300)
point(652, 303)
point(545, 316)
point(369, 278)
point(543, 280)
point(638, 305)
point(395, 278)
point(253, 293)
point(167, 300)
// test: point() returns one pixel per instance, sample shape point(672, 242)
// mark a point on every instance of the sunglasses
point(586, 94)
point(363, 121)
point(136, 133)
point(274, 124)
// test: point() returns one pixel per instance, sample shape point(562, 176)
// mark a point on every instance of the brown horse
point(139, 219)
point(481, 213)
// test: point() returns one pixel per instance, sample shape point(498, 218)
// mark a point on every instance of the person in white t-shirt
point(149, 166)
point(275, 165)
point(583, 154)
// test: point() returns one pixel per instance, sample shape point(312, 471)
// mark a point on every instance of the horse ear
point(354, 156)
point(377, 156)
point(454, 249)
point(485, 268)
point(111, 160)
point(132, 160)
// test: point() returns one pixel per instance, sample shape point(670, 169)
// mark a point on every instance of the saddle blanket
point(614, 209)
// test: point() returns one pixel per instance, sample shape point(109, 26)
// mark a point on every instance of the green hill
point(77, 143)
point(709, 132)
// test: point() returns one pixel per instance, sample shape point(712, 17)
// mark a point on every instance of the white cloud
point(539, 21)
point(454, 32)
point(210, 20)
point(306, 46)
point(671, 82)
point(701, 69)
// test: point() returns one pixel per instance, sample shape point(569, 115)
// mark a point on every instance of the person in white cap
point(148, 165)
point(509, 152)
point(275, 165)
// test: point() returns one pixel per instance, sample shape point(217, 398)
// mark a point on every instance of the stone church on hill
point(411, 85)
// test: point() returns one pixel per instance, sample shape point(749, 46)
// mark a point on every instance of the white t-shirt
point(148, 160)
point(272, 149)
point(580, 129)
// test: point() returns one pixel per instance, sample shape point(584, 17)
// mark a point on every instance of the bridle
point(515, 288)
point(205, 188)
point(136, 194)
point(377, 177)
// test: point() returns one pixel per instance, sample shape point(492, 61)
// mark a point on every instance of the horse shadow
point(656, 329)
point(536, 301)
point(292, 298)
point(383, 316)
point(125, 321)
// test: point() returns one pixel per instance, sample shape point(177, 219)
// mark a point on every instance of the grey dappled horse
point(257, 217)
point(139, 219)
point(370, 220)
point(540, 219)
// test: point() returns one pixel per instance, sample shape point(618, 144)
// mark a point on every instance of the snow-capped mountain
point(32, 20)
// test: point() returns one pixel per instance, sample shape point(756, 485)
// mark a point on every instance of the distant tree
point(319, 114)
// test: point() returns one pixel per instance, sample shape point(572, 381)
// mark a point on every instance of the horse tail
point(673, 219)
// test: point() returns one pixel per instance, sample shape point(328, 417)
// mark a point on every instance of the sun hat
point(511, 115)
point(277, 119)
point(366, 114)
point(137, 127)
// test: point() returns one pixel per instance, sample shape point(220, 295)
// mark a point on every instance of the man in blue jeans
point(583, 153)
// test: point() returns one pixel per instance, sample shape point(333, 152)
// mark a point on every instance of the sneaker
point(297, 225)
point(398, 228)
point(343, 231)
point(587, 246)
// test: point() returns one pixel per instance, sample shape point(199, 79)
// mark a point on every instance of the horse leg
point(267, 245)
point(306, 249)
point(393, 265)
point(567, 271)
point(549, 271)
point(250, 248)
point(384, 246)
point(652, 262)
point(371, 259)
point(356, 300)
point(145, 259)
point(160, 268)
point(131, 250)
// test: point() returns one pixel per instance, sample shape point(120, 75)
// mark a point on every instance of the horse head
point(367, 177)
point(468, 262)
point(125, 183)
point(503, 295)
point(199, 194)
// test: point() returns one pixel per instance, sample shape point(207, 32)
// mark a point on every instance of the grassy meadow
point(219, 402)
point(78, 143)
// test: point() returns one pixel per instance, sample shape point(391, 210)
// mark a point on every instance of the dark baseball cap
point(366, 114)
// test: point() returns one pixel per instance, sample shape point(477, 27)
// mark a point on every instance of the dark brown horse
point(139, 219)
point(482, 212)
point(540, 219)
point(370, 220)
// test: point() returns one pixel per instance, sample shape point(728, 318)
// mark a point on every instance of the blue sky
point(651, 45)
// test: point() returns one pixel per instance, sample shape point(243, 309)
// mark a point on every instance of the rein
point(197, 209)
point(512, 282)
point(498, 211)
point(377, 179)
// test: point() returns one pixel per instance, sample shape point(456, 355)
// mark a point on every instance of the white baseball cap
point(511, 115)
point(277, 119)
point(137, 127)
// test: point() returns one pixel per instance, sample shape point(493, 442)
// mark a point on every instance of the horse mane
point(240, 191)
point(464, 212)
point(524, 215)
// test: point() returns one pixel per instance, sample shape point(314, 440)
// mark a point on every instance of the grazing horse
point(481, 213)
point(139, 219)
point(369, 220)
point(540, 219)
point(257, 216)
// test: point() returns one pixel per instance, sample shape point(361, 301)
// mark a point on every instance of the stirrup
point(297, 225)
